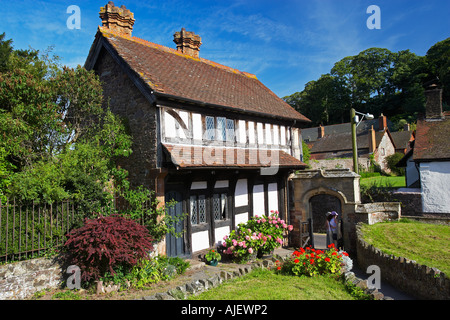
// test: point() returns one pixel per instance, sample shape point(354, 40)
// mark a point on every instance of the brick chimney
point(433, 107)
point(321, 132)
point(118, 20)
point(188, 42)
point(382, 122)
point(372, 140)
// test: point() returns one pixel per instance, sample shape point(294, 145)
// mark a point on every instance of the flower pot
point(213, 262)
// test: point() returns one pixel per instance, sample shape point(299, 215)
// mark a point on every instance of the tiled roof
point(432, 139)
point(343, 141)
point(190, 157)
point(170, 73)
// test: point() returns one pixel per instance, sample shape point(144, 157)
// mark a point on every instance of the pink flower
point(250, 250)
point(290, 227)
point(263, 220)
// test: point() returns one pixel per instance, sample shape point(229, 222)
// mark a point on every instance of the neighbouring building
point(330, 145)
point(428, 160)
point(211, 137)
point(374, 140)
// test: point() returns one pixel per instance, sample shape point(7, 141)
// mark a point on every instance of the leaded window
point(221, 129)
point(219, 206)
point(210, 134)
point(198, 209)
point(230, 130)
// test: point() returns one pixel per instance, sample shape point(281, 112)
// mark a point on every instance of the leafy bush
point(392, 161)
point(259, 235)
point(107, 244)
point(148, 271)
point(311, 262)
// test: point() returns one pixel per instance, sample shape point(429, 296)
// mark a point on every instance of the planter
point(213, 262)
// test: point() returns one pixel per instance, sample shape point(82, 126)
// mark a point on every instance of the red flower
point(327, 259)
point(345, 254)
point(334, 253)
point(331, 245)
point(279, 268)
point(311, 261)
point(296, 261)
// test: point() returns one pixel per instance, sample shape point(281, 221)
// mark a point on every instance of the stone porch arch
point(344, 185)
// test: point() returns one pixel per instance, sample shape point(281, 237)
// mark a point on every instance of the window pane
point(201, 209)
point(210, 128)
point(230, 130)
point(193, 205)
point(221, 130)
point(216, 207)
point(223, 200)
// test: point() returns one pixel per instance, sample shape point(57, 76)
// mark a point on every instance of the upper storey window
point(219, 128)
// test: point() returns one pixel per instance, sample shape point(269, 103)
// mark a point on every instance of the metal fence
point(30, 228)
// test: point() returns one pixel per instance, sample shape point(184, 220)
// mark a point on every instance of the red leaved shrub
point(106, 243)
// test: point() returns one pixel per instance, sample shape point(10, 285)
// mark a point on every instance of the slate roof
point(432, 140)
point(169, 73)
point(343, 141)
point(401, 139)
point(312, 134)
point(201, 157)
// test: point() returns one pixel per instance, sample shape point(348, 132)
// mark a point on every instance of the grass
point(427, 244)
point(384, 181)
point(263, 284)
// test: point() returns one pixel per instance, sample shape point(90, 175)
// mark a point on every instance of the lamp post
point(354, 120)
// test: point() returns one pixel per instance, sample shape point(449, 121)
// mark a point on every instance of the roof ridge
point(153, 45)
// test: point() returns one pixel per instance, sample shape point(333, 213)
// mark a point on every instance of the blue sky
point(285, 43)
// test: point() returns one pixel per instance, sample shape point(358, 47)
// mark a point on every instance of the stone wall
point(22, 279)
point(346, 163)
point(127, 101)
point(417, 280)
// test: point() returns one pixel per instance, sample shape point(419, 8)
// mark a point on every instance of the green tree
point(438, 59)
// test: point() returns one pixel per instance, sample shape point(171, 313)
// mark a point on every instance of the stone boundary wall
point(19, 280)
point(346, 163)
point(406, 275)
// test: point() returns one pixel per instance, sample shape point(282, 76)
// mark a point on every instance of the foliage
point(106, 244)
point(258, 235)
point(377, 81)
point(306, 152)
point(312, 262)
point(213, 255)
point(148, 271)
point(392, 161)
point(143, 206)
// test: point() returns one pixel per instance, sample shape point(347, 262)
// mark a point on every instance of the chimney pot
point(188, 42)
point(118, 20)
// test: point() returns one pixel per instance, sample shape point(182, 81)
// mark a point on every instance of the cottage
point(428, 160)
point(211, 137)
point(335, 141)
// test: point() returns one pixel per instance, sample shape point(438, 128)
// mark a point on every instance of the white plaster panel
point(273, 196)
point(196, 185)
point(200, 240)
point(220, 233)
point(241, 218)
point(241, 193)
point(197, 126)
point(258, 200)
